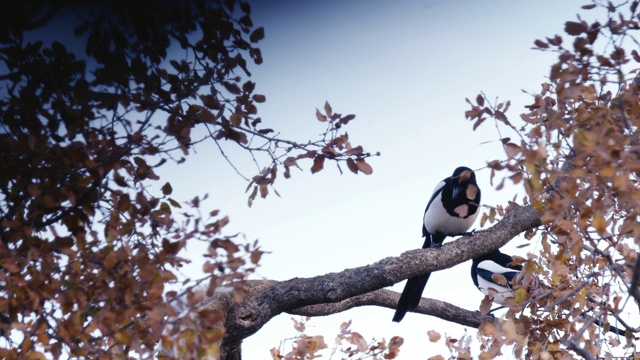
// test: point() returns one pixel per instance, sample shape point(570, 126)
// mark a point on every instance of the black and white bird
point(451, 211)
point(484, 268)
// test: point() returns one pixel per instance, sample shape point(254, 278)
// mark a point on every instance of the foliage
point(577, 152)
point(89, 243)
point(351, 344)
point(91, 238)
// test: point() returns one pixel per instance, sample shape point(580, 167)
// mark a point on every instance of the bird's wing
point(487, 268)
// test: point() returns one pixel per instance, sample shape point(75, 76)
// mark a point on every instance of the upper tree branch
point(264, 300)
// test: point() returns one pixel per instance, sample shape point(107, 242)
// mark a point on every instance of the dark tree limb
point(635, 281)
point(334, 292)
point(389, 299)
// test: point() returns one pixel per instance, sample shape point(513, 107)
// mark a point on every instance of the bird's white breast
point(501, 292)
point(438, 220)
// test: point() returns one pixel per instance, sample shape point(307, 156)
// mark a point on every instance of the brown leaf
point(327, 109)
point(499, 279)
point(575, 28)
point(259, 98)
point(434, 336)
point(320, 117)
point(358, 340)
point(351, 164)
point(599, 224)
point(237, 136)
point(167, 189)
point(485, 305)
point(396, 342)
point(541, 44)
point(252, 196)
point(502, 117)
point(235, 119)
point(364, 167)
point(512, 150)
point(257, 35)
point(318, 164)
point(358, 150)
point(256, 255)
point(345, 119)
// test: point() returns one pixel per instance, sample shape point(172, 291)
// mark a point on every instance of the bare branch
point(389, 299)
point(578, 350)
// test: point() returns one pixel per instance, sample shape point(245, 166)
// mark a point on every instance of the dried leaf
point(320, 117)
point(575, 28)
point(364, 167)
point(259, 98)
point(541, 44)
point(499, 279)
point(318, 164)
point(257, 35)
point(485, 305)
point(434, 336)
point(327, 110)
point(512, 150)
point(351, 164)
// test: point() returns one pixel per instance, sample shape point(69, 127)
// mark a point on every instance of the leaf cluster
point(90, 243)
point(348, 344)
point(576, 152)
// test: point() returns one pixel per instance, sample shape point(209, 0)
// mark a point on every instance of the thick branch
point(389, 299)
point(264, 300)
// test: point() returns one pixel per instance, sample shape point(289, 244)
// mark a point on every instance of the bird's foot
point(469, 233)
point(487, 314)
point(436, 244)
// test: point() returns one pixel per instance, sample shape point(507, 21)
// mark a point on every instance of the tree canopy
point(91, 236)
point(88, 244)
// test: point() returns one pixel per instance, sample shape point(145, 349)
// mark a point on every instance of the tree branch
point(389, 299)
point(635, 281)
point(335, 292)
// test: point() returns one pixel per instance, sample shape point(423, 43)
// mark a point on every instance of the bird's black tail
point(411, 296)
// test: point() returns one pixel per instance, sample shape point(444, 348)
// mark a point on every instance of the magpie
point(484, 267)
point(451, 211)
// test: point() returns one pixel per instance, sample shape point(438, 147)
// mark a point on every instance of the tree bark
point(362, 286)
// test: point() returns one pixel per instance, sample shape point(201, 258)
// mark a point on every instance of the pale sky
point(404, 68)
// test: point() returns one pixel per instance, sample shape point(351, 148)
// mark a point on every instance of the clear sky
point(404, 68)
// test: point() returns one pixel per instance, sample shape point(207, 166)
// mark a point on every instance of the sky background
point(404, 68)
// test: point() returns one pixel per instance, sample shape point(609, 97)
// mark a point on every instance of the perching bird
point(451, 211)
point(484, 267)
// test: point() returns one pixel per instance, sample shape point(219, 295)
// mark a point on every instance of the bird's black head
point(464, 188)
point(463, 175)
